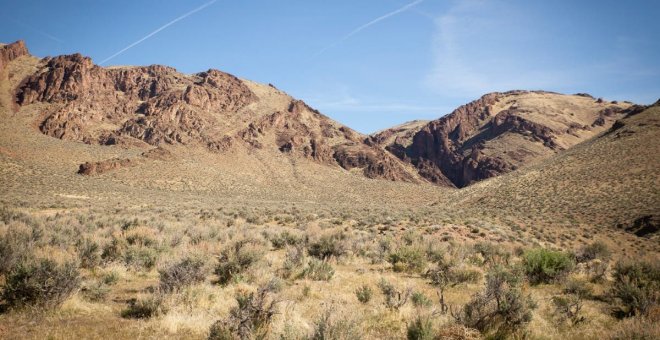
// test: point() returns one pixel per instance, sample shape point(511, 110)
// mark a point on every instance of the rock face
point(498, 133)
point(12, 51)
point(155, 105)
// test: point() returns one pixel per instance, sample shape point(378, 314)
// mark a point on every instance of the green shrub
point(501, 308)
point(141, 258)
point(15, 247)
point(596, 250)
point(42, 283)
point(334, 326)
point(395, 297)
point(492, 254)
point(420, 329)
point(328, 246)
point(186, 272)
point(318, 270)
point(89, 253)
point(364, 294)
point(283, 239)
point(636, 286)
point(408, 259)
point(237, 258)
point(420, 300)
point(546, 266)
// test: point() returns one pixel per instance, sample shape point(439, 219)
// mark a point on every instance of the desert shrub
point(15, 246)
point(144, 308)
point(445, 275)
point(420, 300)
point(568, 308)
point(492, 254)
point(283, 239)
point(42, 282)
point(364, 294)
point(546, 266)
point(596, 250)
point(115, 249)
point(89, 253)
point(578, 287)
point(395, 297)
point(251, 319)
point(421, 328)
point(318, 270)
point(334, 326)
point(407, 259)
point(328, 246)
point(294, 259)
point(95, 291)
point(141, 258)
point(186, 272)
point(636, 286)
point(501, 308)
point(237, 258)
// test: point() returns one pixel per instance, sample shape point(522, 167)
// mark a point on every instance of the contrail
point(159, 29)
point(36, 30)
point(370, 23)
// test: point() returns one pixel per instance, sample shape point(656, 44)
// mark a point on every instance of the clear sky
point(368, 64)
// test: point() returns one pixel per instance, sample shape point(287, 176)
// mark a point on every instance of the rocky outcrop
point(476, 140)
point(12, 51)
point(154, 104)
point(108, 165)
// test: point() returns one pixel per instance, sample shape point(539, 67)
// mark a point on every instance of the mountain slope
point(499, 133)
point(156, 106)
point(610, 181)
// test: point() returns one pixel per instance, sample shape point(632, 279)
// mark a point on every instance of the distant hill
point(499, 133)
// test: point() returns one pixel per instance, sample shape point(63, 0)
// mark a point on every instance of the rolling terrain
point(204, 205)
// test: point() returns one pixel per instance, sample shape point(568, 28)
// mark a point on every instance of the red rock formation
point(154, 104)
point(12, 51)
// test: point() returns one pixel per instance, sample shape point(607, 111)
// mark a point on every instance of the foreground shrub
point(15, 245)
point(251, 319)
point(593, 251)
point(332, 325)
point(364, 294)
point(145, 308)
point(318, 270)
point(328, 246)
point(237, 258)
point(395, 297)
point(420, 329)
point(546, 266)
point(89, 253)
point(636, 286)
point(408, 259)
point(184, 273)
point(42, 283)
point(501, 308)
point(283, 239)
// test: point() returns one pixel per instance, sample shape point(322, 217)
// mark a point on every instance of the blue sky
point(367, 64)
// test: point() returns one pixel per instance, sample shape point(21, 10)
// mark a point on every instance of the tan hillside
point(499, 133)
point(610, 182)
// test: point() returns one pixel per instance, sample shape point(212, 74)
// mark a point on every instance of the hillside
point(499, 133)
point(610, 182)
point(139, 108)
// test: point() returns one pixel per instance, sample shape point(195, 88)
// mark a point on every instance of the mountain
point(499, 133)
point(156, 106)
point(609, 182)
